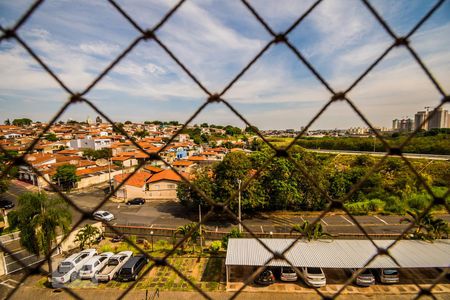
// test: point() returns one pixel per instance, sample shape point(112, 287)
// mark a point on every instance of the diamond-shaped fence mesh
point(277, 39)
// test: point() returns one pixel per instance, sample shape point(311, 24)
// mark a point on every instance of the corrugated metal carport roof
point(339, 253)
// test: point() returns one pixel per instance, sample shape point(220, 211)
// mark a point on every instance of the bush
point(106, 248)
point(394, 205)
point(13, 219)
point(215, 247)
point(364, 207)
point(419, 201)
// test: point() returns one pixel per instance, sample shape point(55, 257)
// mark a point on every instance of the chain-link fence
point(277, 38)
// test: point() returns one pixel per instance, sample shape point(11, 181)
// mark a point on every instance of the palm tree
point(40, 219)
point(87, 235)
point(310, 232)
point(184, 231)
point(420, 223)
point(438, 228)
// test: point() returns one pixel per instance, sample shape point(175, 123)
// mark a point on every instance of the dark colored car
point(117, 239)
point(6, 204)
point(265, 278)
point(136, 201)
point(130, 270)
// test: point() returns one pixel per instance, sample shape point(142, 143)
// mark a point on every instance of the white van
point(95, 264)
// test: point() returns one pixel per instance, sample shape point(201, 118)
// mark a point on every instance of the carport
point(336, 254)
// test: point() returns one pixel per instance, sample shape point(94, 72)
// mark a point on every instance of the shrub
point(215, 247)
point(13, 219)
point(364, 207)
point(394, 205)
point(106, 248)
point(419, 201)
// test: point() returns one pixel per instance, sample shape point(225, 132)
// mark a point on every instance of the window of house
point(171, 186)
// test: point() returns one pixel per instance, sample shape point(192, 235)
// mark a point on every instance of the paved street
point(172, 214)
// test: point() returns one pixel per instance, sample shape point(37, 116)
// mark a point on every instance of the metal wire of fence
point(151, 34)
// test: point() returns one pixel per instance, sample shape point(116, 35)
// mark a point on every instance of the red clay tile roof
point(182, 163)
point(153, 169)
point(165, 175)
point(197, 158)
point(138, 179)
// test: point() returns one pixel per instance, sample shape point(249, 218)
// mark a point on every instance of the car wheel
point(135, 277)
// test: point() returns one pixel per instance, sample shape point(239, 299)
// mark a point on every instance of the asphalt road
point(407, 155)
point(172, 215)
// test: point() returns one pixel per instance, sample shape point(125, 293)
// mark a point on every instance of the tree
point(141, 133)
point(87, 236)
point(204, 125)
point(51, 137)
point(421, 223)
point(251, 129)
point(66, 176)
point(21, 122)
point(184, 230)
point(128, 122)
point(39, 219)
point(310, 232)
point(118, 128)
point(7, 122)
point(234, 233)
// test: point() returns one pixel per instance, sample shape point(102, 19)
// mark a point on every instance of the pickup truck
point(94, 264)
point(115, 262)
point(69, 268)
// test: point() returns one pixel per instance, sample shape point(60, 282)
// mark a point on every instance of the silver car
point(103, 215)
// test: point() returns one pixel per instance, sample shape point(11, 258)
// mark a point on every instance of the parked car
point(117, 239)
point(314, 276)
point(115, 262)
point(130, 270)
point(94, 264)
point(288, 274)
point(389, 275)
point(265, 278)
point(6, 204)
point(136, 201)
point(365, 278)
point(68, 269)
point(103, 215)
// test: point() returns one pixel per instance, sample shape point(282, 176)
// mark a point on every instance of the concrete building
point(439, 119)
point(90, 143)
point(419, 119)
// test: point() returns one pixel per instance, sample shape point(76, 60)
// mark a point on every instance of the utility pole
point(200, 226)
point(239, 205)
point(109, 173)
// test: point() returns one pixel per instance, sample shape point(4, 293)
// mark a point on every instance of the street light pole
point(239, 206)
point(151, 234)
point(109, 173)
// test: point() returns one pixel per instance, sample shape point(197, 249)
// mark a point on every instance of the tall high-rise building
point(395, 124)
point(419, 119)
point(439, 119)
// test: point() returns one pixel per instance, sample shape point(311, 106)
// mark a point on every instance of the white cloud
point(99, 48)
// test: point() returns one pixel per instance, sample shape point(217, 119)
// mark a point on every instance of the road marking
point(302, 218)
point(217, 228)
point(151, 226)
point(21, 259)
point(326, 224)
point(14, 253)
point(7, 285)
point(348, 220)
point(381, 220)
point(262, 230)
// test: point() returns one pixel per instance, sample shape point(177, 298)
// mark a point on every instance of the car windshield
point(86, 268)
point(266, 273)
point(113, 262)
point(287, 270)
point(390, 272)
point(64, 268)
point(316, 271)
point(105, 214)
point(126, 271)
point(366, 272)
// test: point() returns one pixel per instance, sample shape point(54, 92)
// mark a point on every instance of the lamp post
point(271, 234)
point(151, 234)
point(239, 205)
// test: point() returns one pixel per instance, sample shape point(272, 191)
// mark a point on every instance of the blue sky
point(215, 40)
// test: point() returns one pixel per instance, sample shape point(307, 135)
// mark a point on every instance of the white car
point(365, 278)
point(68, 269)
point(288, 274)
point(314, 276)
point(95, 264)
point(103, 215)
point(389, 276)
point(115, 262)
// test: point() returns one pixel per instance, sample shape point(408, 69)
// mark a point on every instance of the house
point(184, 165)
point(151, 186)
